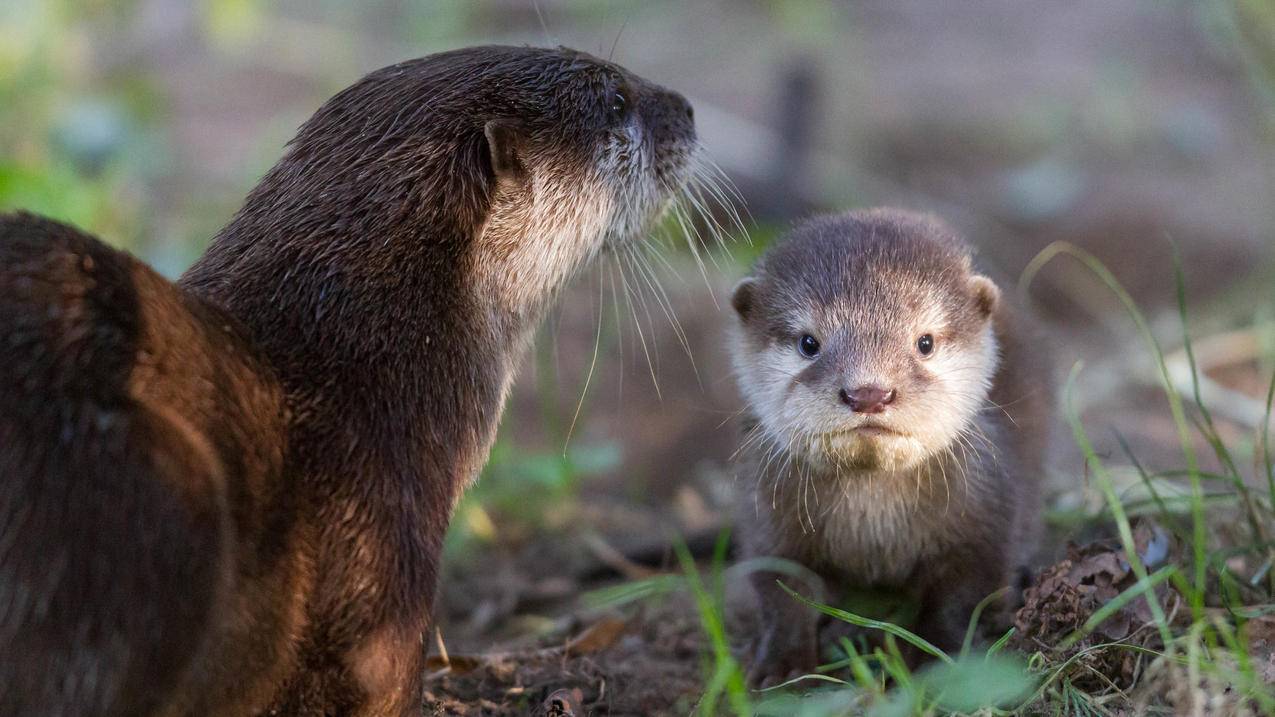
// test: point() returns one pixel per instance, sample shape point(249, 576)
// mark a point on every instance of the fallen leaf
point(599, 636)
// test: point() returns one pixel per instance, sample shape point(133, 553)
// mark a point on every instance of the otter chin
point(896, 425)
point(865, 447)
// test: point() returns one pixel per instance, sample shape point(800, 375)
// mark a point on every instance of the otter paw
point(774, 664)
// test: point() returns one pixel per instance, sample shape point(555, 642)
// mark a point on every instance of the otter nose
point(867, 399)
point(671, 115)
point(679, 105)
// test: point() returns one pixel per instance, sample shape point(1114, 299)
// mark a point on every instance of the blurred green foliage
point(75, 133)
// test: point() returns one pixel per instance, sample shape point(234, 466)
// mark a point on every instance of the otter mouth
point(872, 431)
point(865, 446)
point(868, 429)
point(859, 437)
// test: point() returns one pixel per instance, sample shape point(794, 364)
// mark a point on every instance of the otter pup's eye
point(808, 346)
point(925, 344)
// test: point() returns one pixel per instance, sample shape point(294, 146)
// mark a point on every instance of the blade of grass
point(978, 612)
point(1248, 681)
point(889, 628)
point(859, 667)
point(1170, 519)
point(1198, 527)
point(805, 678)
point(1061, 669)
point(1208, 429)
point(726, 676)
point(1004, 640)
point(1103, 479)
point(1266, 442)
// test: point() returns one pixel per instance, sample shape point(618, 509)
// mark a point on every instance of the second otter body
point(897, 429)
point(228, 495)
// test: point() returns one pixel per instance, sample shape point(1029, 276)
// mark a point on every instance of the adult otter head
point(866, 340)
point(490, 173)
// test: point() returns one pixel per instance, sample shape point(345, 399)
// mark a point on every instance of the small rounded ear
point(505, 145)
point(741, 298)
point(986, 295)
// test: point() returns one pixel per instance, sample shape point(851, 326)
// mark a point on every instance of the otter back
point(117, 391)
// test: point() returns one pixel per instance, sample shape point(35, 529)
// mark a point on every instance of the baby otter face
point(866, 342)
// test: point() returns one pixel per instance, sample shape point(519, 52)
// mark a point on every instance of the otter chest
point(878, 534)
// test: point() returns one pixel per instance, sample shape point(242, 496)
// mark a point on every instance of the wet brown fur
point(946, 531)
point(228, 495)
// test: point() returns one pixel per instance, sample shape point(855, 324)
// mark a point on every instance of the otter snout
point(671, 115)
point(670, 123)
point(867, 399)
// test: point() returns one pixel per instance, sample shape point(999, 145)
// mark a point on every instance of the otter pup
point(897, 424)
point(228, 495)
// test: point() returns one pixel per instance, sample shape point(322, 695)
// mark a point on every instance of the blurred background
point(1125, 127)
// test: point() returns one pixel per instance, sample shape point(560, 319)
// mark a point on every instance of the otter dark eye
point(925, 345)
point(808, 346)
point(619, 103)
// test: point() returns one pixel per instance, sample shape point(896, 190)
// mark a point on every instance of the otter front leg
point(952, 588)
point(379, 676)
point(788, 643)
point(364, 653)
point(387, 667)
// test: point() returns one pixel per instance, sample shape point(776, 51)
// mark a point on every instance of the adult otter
point(899, 420)
point(228, 495)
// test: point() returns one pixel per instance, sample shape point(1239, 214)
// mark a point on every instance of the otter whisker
point(647, 274)
point(693, 196)
point(805, 481)
point(593, 363)
point(720, 189)
point(965, 480)
point(730, 415)
point(693, 242)
point(653, 252)
point(619, 324)
point(917, 497)
point(753, 437)
point(616, 43)
point(544, 27)
point(631, 294)
point(665, 304)
point(720, 179)
point(708, 175)
point(947, 489)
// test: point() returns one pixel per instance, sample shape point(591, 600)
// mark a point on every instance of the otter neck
point(392, 354)
point(537, 238)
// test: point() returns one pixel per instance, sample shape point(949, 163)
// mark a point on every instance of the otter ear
point(742, 296)
point(505, 146)
point(986, 295)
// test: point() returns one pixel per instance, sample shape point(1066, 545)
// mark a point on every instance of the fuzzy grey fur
point(936, 495)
